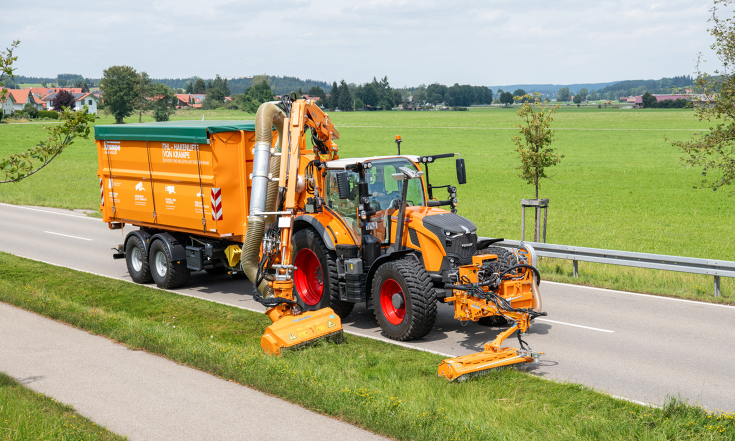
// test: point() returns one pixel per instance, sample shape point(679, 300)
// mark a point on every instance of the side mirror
point(343, 185)
point(461, 174)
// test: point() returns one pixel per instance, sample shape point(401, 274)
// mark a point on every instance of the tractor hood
point(450, 222)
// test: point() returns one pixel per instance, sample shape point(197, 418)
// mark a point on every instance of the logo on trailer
point(170, 189)
point(216, 204)
point(139, 186)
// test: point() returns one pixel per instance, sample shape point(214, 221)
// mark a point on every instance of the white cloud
point(447, 41)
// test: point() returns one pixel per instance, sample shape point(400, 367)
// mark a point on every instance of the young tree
point(163, 103)
point(119, 85)
point(6, 68)
point(534, 144)
point(60, 136)
point(563, 95)
point(714, 150)
point(64, 100)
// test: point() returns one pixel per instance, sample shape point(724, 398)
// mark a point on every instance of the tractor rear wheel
point(404, 299)
point(316, 285)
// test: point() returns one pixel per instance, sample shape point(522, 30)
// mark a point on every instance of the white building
point(15, 100)
point(81, 99)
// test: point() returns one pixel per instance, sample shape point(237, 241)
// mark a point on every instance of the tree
point(119, 85)
point(369, 95)
point(648, 100)
point(30, 110)
point(220, 85)
point(258, 93)
point(506, 98)
point(577, 98)
point(6, 68)
point(163, 102)
point(534, 144)
point(583, 92)
point(563, 94)
point(333, 101)
point(64, 100)
point(199, 86)
point(60, 136)
point(61, 82)
point(143, 94)
point(714, 150)
point(345, 98)
point(189, 87)
point(214, 99)
point(317, 91)
point(519, 93)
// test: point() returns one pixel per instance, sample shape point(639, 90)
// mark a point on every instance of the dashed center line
point(576, 326)
point(67, 235)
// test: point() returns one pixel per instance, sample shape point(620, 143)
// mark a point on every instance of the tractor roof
point(343, 162)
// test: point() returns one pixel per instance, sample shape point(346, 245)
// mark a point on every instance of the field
point(387, 389)
point(620, 186)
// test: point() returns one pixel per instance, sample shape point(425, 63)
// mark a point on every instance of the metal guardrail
point(709, 267)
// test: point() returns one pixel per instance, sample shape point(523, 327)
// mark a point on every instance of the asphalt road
point(635, 346)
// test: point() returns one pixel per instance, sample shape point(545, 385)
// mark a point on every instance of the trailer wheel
point(316, 285)
point(404, 299)
point(166, 273)
point(137, 262)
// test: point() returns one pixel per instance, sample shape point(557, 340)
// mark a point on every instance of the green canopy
point(192, 132)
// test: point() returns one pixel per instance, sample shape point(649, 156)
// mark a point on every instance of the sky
point(491, 42)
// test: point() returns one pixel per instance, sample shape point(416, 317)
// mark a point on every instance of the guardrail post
point(575, 264)
point(717, 286)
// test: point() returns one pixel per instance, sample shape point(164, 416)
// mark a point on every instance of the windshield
point(384, 193)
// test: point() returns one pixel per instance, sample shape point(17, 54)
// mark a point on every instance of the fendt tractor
point(321, 234)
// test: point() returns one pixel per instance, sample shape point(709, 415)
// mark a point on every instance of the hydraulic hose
point(263, 192)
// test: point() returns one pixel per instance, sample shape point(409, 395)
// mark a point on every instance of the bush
point(48, 114)
point(30, 110)
point(459, 109)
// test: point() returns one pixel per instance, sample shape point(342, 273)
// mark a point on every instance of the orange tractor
point(322, 233)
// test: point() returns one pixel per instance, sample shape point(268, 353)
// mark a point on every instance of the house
point(81, 99)
point(184, 100)
point(15, 100)
point(663, 97)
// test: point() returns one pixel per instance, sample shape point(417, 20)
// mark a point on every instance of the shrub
point(48, 114)
point(459, 109)
point(30, 110)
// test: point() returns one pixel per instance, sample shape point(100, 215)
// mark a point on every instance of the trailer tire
point(404, 299)
point(137, 261)
point(316, 259)
point(166, 273)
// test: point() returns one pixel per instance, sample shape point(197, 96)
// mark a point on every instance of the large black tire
point(137, 261)
point(166, 273)
point(316, 284)
point(505, 257)
point(404, 299)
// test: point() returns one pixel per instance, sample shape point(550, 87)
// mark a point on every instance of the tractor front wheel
point(315, 280)
point(404, 299)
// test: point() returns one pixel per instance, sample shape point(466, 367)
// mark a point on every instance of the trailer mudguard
point(176, 249)
point(145, 239)
point(301, 222)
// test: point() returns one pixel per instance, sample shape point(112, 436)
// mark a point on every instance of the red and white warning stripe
point(102, 192)
point(216, 204)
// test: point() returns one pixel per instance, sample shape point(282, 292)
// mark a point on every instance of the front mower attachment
point(292, 332)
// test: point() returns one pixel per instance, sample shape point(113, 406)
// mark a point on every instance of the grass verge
point(28, 415)
point(387, 389)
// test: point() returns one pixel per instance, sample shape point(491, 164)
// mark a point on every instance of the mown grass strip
point(28, 415)
point(389, 390)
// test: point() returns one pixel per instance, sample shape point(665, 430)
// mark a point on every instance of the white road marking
point(52, 212)
point(515, 128)
point(571, 324)
point(67, 235)
point(651, 296)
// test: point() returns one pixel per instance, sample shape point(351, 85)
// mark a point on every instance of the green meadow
point(620, 185)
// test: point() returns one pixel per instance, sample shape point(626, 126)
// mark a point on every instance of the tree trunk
point(535, 215)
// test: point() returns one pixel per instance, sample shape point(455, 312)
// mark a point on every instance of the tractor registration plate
point(371, 226)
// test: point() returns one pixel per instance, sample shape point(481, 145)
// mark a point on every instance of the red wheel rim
point(308, 277)
point(392, 302)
